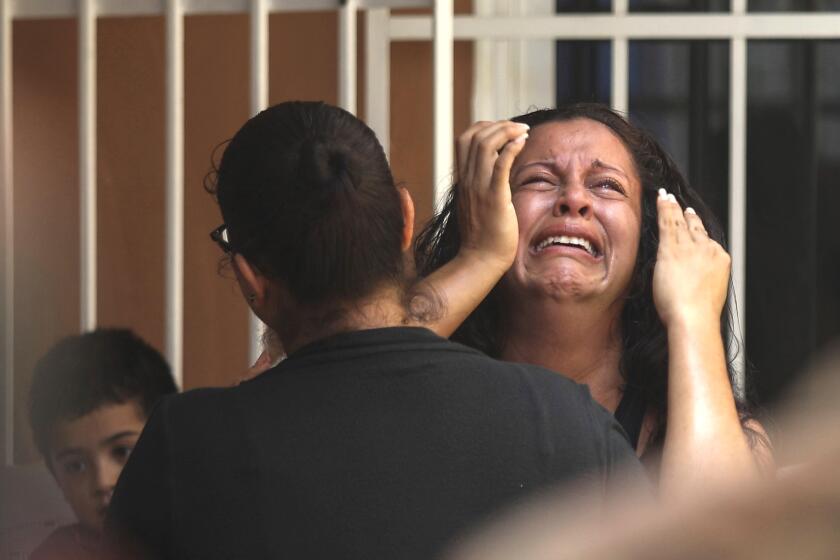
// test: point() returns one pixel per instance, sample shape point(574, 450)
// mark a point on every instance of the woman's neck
point(577, 339)
point(299, 325)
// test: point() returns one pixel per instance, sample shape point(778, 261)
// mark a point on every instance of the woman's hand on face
point(691, 275)
point(487, 220)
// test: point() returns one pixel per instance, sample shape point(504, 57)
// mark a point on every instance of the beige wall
point(131, 165)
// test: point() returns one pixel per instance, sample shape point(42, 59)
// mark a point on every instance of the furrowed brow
point(600, 165)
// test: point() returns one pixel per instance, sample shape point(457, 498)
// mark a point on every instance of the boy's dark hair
point(83, 372)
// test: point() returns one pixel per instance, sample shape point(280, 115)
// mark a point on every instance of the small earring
point(252, 298)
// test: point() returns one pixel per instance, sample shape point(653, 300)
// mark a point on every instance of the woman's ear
point(252, 283)
point(408, 218)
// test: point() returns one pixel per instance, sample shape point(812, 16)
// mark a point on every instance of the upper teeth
point(566, 240)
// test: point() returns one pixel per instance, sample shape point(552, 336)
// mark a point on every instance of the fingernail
point(663, 193)
point(672, 198)
point(690, 210)
point(521, 138)
point(523, 125)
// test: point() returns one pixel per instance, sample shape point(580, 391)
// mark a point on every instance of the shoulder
point(558, 388)
point(193, 401)
point(69, 542)
point(564, 403)
point(190, 418)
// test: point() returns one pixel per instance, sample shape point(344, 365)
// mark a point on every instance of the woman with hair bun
point(610, 269)
point(373, 438)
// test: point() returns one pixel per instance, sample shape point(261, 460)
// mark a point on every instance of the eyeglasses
point(220, 236)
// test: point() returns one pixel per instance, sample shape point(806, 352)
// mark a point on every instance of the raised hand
point(704, 442)
point(486, 217)
point(691, 275)
point(488, 228)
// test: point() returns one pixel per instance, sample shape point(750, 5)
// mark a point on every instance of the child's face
point(88, 454)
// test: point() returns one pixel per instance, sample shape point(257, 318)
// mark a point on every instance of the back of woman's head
point(308, 198)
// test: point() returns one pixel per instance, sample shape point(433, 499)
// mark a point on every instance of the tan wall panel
point(46, 208)
point(412, 111)
point(131, 151)
point(412, 114)
point(216, 86)
point(303, 63)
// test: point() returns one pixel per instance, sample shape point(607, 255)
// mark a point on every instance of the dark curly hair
point(644, 359)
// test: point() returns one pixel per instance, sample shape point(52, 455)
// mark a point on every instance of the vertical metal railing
point(175, 188)
point(620, 74)
point(347, 16)
point(6, 178)
point(259, 101)
point(738, 186)
point(443, 47)
point(378, 75)
point(87, 163)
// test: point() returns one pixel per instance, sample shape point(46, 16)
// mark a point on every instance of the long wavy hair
point(644, 357)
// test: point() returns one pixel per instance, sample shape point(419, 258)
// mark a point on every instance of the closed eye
point(537, 183)
point(609, 184)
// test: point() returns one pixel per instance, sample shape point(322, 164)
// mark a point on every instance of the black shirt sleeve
point(139, 518)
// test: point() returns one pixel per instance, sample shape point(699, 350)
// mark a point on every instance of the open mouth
point(568, 241)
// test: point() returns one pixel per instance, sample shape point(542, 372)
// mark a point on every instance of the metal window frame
point(87, 13)
point(620, 26)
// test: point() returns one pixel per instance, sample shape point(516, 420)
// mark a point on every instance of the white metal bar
point(6, 177)
point(259, 101)
point(632, 26)
point(175, 188)
point(87, 163)
point(538, 63)
point(120, 8)
point(259, 55)
point(443, 47)
point(347, 55)
point(485, 71)
point(378, 75)
point(511, 77)
point(738, 190)
point(620, 74)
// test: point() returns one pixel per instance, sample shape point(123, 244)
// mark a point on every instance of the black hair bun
point(323, 166)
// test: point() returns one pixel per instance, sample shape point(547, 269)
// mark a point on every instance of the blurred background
point(679, 88)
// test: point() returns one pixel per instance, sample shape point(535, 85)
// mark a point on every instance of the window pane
point(679, 5)
point(565, 6)
point(583, 71)
point(679, 90)
point(793, 207)
point(793, 5)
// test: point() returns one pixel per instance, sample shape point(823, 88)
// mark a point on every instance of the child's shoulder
point(69, 542)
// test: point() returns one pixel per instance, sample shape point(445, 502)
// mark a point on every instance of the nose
point(573, 201)
point(107, 473)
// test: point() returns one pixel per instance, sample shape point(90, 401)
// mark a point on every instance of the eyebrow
point(109, 440)
point(69, 451)
point(118, 436)
point(598, 164)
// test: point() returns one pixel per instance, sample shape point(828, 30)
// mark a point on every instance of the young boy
point(91, 395)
